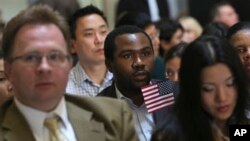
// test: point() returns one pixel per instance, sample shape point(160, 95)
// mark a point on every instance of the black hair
point(177, 50)
point(237, 27)
point(167, 28)
point(87, 10)
point(109, 44)
point(140, 20)
point(203, 52)
point(216, 29)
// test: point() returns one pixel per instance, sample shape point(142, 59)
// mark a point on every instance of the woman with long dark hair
point(213, 93)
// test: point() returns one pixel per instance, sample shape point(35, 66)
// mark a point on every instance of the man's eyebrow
point(91, 29)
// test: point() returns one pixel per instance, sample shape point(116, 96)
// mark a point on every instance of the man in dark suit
point(130, 57)
point(37, 63)
point(142, 6)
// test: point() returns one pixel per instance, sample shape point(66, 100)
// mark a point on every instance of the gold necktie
point(54, 132)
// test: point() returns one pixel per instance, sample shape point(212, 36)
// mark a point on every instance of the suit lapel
point(17, 129)
point(109, 91)
point(85, 128)
point(161, 115)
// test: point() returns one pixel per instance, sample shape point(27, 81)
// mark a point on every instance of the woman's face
point(218, 92)
point(172, 67)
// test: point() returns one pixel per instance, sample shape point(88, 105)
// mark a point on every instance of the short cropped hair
point(168, 28)
point(85, 11)
point(109, 44)
point(141, 20)
point(216, 29)
point(35, 15)
point(237, 27)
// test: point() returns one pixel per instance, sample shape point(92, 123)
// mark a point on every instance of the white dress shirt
point(35, 119)
point(143, 120)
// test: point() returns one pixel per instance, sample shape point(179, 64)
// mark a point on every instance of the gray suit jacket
point(93, 119)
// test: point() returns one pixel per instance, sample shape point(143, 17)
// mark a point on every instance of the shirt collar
point(37, 119)
point(80, 75)
point(129, 101)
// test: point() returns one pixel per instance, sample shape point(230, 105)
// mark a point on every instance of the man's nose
point(137, 61)
point(44, 64)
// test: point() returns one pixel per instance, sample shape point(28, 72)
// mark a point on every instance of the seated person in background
point(192, 29)
point(213, 93)
point(238, 36)
point(37, 62)
point(173, 61)
point(89, 28)
point(224, 13)
point(171, 33)
point(129, 55)
point(143, 21)
point(5, 86)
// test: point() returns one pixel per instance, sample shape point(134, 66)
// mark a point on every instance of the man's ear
point(73, 46)
point(108, 64)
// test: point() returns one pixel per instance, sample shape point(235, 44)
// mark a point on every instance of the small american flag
point(158, 95)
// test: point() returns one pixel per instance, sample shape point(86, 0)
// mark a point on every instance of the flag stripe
point(151, 96)
point(159, 107)
point(171, 102)
point(150, 92)
point(159, 98)
point(159, 102)
point(149, 87)
point(148, 98)
point(158, 95)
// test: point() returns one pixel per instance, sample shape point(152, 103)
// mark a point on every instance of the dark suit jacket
point(141, 6)
point(158, 116)
point(93, 119)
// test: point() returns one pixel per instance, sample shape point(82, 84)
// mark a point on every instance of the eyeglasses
point(54, 58)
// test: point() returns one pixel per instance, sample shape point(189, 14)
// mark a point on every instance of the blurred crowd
point(63, 61)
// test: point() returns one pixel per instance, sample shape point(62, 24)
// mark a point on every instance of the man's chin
point(141, 84)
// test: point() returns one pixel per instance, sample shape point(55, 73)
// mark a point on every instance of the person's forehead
point(225, 8)
point(90, 20)
point(131, 37)
point(241, 34)
point(31, 33)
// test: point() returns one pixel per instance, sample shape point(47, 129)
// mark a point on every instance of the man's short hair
point(35, 15)
point(88, 10)
point(109, 44)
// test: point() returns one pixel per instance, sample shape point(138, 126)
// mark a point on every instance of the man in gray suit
point(37, 63)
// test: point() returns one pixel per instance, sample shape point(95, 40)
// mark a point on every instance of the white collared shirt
point(35, 119)
point(80, 84)
point(144, 123)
